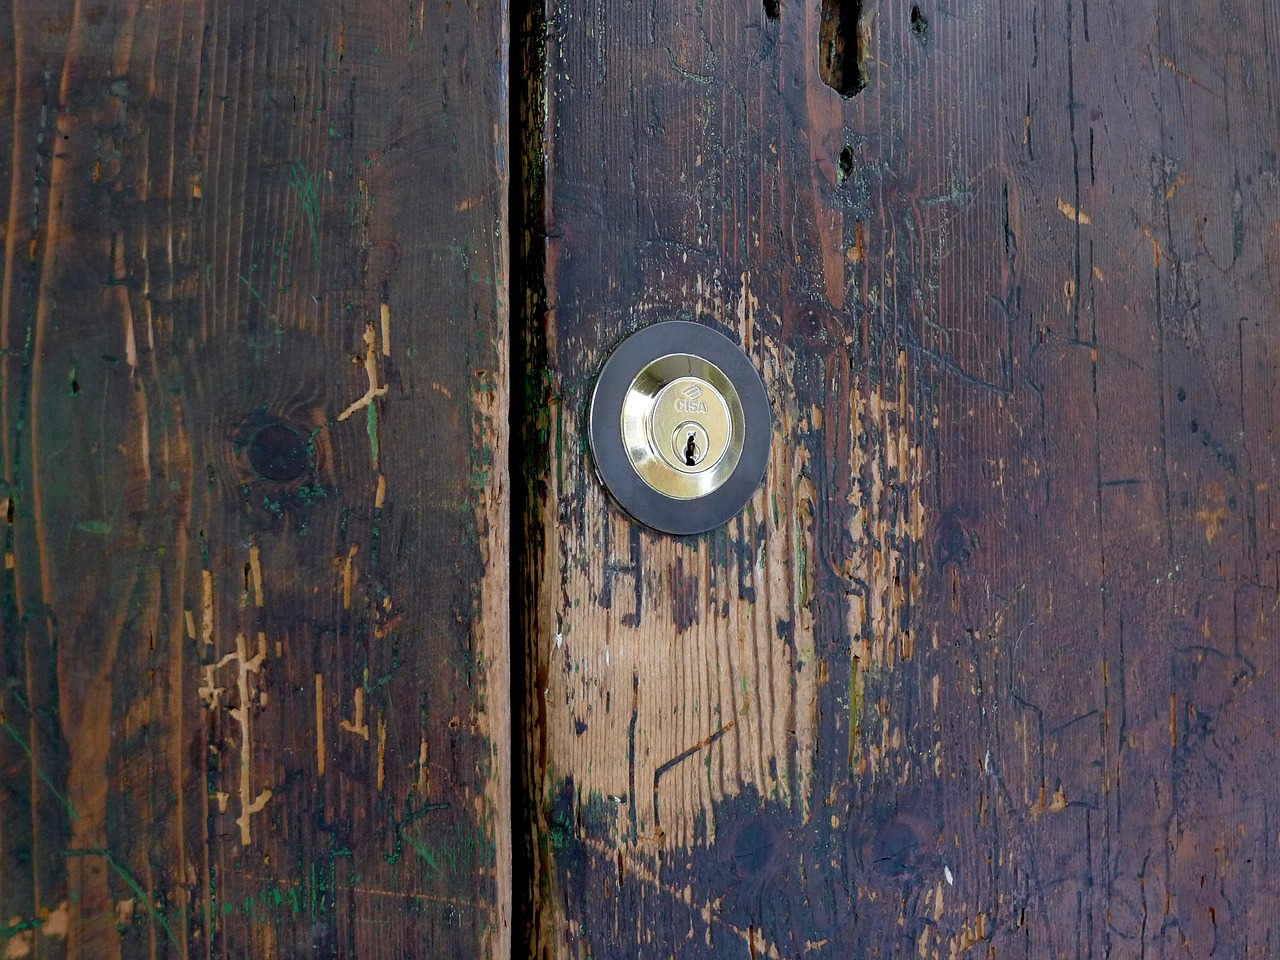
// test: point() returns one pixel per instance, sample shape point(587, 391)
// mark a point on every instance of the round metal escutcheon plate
point(680, 427)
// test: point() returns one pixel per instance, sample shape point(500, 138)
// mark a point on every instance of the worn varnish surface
point(255, 697)
point(988, 666)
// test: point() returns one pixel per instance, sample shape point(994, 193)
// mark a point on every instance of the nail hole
point(843, 46)
point(846, 165)
point(278, 453)
point(919, 25)
point(772, 8)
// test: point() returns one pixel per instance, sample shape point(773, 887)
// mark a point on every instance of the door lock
point(680, 427)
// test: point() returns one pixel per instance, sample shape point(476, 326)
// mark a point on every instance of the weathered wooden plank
point(987, 665)
point(253, 363)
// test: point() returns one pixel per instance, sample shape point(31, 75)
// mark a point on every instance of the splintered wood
point(684, 670)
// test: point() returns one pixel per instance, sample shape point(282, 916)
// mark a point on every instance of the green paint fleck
point(427, 856)
point(560, 831)
point(26, 748)
point(133, 885)
point(256, 295)
point(307, 187)
point(373, 432)
point(94, 526)
point(22, 926)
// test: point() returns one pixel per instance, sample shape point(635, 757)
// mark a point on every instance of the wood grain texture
point(253, 376)
point(987, 667)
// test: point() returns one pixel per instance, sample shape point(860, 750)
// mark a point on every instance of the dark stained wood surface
point(253, 387)
point(988, 667)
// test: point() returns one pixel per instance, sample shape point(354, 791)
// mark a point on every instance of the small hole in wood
point(278, 453)
point(846, 165)
point(772, 8)
point(919, 25)
point(844, 36)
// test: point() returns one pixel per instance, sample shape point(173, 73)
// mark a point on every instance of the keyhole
point(691, 452)
point(689, 446)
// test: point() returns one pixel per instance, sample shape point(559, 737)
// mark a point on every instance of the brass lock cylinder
point(680, 427)
point(682, 424)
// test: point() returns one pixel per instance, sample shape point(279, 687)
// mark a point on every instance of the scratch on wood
point(1181, 74)
point(211, 694)
point(1156, 250)
point(320, 724)
point(371, 891)
point(371, 371)
point(678, 759)
point(855, 713)
point(59, 921)
point(971, 934)
point(385, 315)
point(357, 725)
point(348, 576)
point(256, 567)
point(382, 750)
point(206, 622)
point(20, 944)
point(423, 782)
point(209, 691)
point(1070, 211)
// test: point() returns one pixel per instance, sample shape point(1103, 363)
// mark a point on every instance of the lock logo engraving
point(690, 406)
point(690, 403)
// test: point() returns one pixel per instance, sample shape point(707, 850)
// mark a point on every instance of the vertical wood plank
point(253, 376)
point(985, 666)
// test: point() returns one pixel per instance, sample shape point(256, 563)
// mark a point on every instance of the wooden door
point(986, 667)
point(254, 389)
